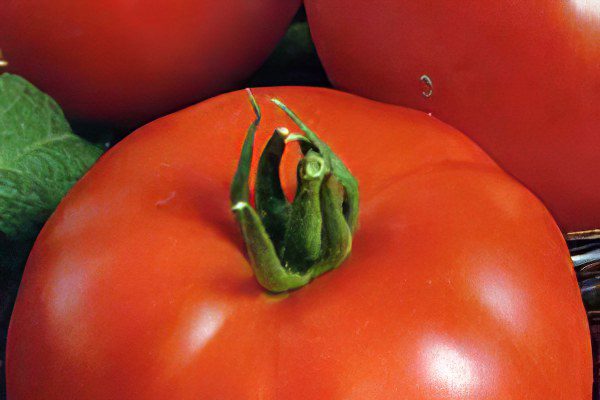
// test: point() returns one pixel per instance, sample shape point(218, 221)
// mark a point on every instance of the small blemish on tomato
point(426, 86)
point(166, 200)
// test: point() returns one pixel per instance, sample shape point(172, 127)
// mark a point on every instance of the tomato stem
point(271, 202)
point(291, 244)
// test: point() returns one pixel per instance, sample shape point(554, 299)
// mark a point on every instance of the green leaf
point(40, 157)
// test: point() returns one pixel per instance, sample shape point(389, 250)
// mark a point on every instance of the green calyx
point(289, 244)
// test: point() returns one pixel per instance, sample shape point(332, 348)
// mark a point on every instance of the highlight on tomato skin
point(520, 78)
point(459, 283)
point(128, 62)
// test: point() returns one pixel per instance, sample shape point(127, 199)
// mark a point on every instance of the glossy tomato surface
point(459, 285)
point(522, 78)
point(130, 61)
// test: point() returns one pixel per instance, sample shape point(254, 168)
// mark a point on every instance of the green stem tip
point(289, 244)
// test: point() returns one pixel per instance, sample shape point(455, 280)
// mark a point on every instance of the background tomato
point(138, 287)
point(522, 78)
point(130, 61)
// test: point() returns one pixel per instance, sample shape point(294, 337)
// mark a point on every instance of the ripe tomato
point(522, 78)
point(129, 61)
point(459, 285)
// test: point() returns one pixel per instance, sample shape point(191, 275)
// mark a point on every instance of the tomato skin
point(127, 62)
point(521, 78)
point(459, 286)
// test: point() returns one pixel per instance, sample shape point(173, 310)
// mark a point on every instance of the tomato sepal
point(290, 244)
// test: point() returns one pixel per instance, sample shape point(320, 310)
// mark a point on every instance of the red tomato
point(522, 78)
point(459, 285)
point(129, 61)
